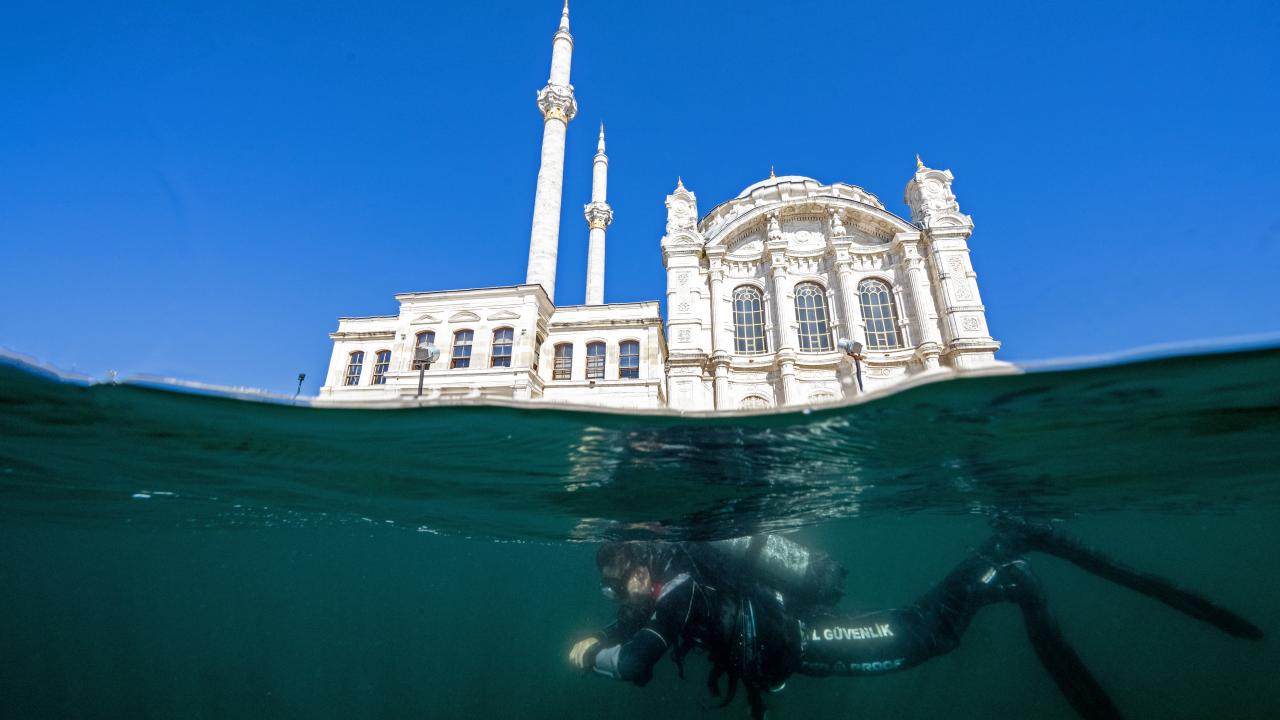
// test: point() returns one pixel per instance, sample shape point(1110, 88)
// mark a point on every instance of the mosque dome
point(770, 181)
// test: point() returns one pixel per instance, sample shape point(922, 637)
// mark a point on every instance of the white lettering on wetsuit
point(855, 667)
point(869, 632)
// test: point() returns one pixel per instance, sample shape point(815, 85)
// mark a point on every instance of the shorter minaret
point(599, 215)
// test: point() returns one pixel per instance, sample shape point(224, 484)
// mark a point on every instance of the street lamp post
point(301, 377)
point(853, 350)
point(424, 355)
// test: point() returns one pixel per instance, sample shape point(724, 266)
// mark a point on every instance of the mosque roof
point(771, 180)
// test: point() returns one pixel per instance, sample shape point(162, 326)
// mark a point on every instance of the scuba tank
point(803, 576)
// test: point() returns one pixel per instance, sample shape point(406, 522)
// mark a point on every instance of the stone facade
point(760, 291)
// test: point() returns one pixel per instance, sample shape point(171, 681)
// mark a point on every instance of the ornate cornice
point(557, 101)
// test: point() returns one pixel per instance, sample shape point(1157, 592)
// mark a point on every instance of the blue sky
point(201, 191)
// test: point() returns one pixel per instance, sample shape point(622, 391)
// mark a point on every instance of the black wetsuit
point(753, 637)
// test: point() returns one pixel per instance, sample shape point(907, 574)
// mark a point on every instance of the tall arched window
point(501, 353)
point(595, 361)
point(563, 367)
point(354, 365)
point(748, 321)
point(426, 337)
point(811, 313)
point(878, 313)
point(381, 366)
point(461, 357)
point(628, 359)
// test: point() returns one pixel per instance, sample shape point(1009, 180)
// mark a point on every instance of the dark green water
point(173, 555)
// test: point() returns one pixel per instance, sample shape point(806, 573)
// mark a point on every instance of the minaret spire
point(558, 107)
point(599, 215)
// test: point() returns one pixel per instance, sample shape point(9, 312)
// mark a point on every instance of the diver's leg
point(1043, 538)
point(1066, 668)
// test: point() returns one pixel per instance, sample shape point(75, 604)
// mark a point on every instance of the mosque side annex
point(759, 291)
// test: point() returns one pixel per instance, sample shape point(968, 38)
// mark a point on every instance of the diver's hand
point(578, 655)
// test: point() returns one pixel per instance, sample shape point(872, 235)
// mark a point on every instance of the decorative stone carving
point(683, 307)
point(962, 291)
point(682, 210)
point(970, 323)
point(932, 203)
point(683, 335)
point(957, 265)
point(464, 316)
point(775, 228)
point(557, 101)
point(804, 231)
point(682, 279)
point(837, 225)
point(598, 215)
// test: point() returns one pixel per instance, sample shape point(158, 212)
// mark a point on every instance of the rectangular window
point(629, 359)
point(595, 361)
point(537, 352)
point(501, 355)
point(461, 350)
point(563, 368)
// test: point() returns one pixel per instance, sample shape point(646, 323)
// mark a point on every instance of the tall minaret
point(558, 108)
point(599, 215)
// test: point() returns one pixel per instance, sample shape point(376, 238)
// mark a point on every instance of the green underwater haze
point(169, 554)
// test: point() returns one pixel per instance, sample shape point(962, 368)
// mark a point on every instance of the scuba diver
point(762, 608)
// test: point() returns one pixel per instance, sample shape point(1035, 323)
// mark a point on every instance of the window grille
point(563, 368)
point(501, 355)
point(755, 402)
point(878, 314)
point(595, 361)
point(461, 349)
point(354, 366)
point(748, 321)
point(629, 359)
point(811, 313)
point(381, 366)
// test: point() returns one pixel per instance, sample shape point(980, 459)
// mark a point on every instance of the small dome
point(767, 182)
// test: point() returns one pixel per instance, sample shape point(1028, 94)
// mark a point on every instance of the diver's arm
point(633, 660)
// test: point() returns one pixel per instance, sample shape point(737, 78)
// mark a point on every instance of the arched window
point(628, 359)
point(563, 367)
point(595, 361)
point(426, 337)
point(748, 321)
point(381, 366)
point(811, 313)
point(501, 354)
point(876, 299)
point(461, 349)
point(354, 365)
point(755, 402)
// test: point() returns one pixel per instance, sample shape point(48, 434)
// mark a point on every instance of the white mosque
point(760, 290)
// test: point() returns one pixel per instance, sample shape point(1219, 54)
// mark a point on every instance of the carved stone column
point(784, 311)
point(715, 271)
point(929, 339)
point(720, 364)
point(790, 385)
